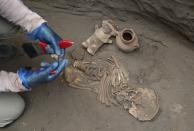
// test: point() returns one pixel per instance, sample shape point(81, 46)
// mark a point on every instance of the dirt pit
point(164, 62)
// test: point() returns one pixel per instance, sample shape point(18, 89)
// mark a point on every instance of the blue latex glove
point(31, 78)
point(45, 34)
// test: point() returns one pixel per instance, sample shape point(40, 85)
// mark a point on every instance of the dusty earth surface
point(165, 62)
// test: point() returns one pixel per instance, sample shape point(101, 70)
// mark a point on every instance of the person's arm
point(10, 82)
point(25, 78)
point(37, 29)
point(16, 12)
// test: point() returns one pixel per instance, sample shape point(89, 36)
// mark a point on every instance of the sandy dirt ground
point(165, 62)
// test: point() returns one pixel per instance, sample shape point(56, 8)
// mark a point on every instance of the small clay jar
point(126, 40)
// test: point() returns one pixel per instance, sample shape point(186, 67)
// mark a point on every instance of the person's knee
point(11, 107)
point(19, 107)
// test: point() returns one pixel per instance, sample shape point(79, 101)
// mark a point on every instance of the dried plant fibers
point(110, 81)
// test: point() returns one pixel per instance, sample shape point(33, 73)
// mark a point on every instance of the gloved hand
point(31, 78)
point(45, 34)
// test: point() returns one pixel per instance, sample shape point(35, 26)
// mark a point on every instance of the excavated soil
point(164, 62)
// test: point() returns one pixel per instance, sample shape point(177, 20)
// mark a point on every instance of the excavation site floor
point(164, 62)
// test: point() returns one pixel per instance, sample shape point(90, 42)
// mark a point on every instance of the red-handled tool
point(53, 72)
point(34, 49)
point(62, 44)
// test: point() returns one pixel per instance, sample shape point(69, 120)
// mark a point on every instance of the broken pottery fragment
point(127, 40)
point(144, 104)
point(101, 35)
